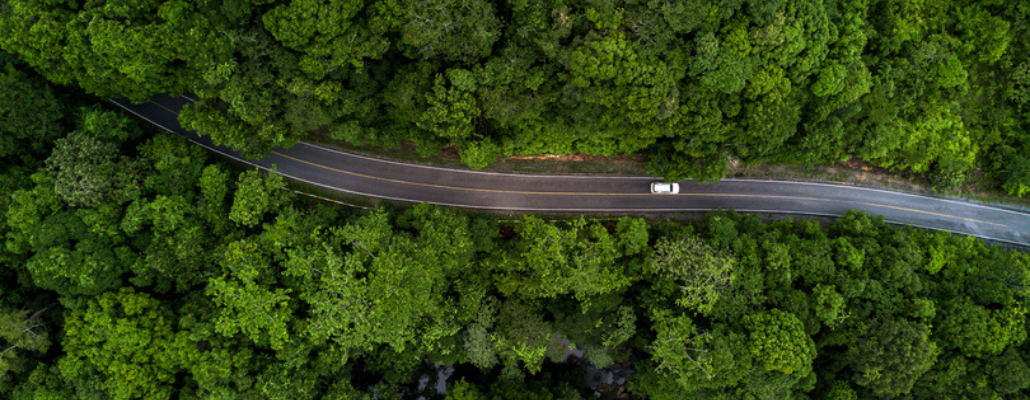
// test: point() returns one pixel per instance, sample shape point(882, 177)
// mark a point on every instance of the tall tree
point(29, 114)
point(698, 272)
point(127, 341)
point(21, 332)
point(891, 355)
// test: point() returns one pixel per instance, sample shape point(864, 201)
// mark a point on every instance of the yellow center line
point(432, 185)
point(926, 212)
point(166, 108)
point(758, 196)
point(754, 196)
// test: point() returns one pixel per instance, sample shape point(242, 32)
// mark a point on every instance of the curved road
point(373, 177)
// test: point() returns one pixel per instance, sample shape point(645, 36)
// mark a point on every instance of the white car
point(665, 188)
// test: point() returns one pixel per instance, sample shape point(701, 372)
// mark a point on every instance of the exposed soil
point(852, 172)
point(583, 157)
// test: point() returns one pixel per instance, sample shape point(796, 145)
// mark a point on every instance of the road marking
point(210, 148)
point(742, 195)
point(964, 203)
point(166, 108)
point(452, 187)
point(644, 178)
point(433, 185)
point(924, 212)
point(632, 210)
point(599, 193)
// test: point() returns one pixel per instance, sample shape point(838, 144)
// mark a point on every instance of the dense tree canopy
point(205, 283)
point(133, 267)
point(936, 87)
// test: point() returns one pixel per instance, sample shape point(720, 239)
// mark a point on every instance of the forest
point(938, 88)
point(134, 266)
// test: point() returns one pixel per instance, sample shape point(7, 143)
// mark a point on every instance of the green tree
point(699, 272)
point(779, 343)
point(1010, 372)
point(247, 301)
point(211, 206)
point(46, 382)
point(326, 32)
point(548, 261)
point(73, 252)
point(106, 125)
point(1018, 176)
point(21, 332)
point(257, 194)
point(979, 332)
point(828, 305)
point(697, 358)
point(450, 113)
point(87, 171)
point(462, 390)
point(891, 355)
point(134, 50)
point(522, 335)
point(633, 235)
point(453, 30)
point(176, 164)
point(29, 113)
point(127, 339)
point(369, 285)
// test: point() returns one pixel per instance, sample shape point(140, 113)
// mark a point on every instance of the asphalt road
point(379, 178)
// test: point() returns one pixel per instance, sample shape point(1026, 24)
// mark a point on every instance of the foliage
point(778, 341)
point(937, 88)
point(891, 356)
point(126, 340)
point(87, 171)
point(257, 195)
point(701, 272)
point(29, 114)
point(200, 282)
point(22, 331)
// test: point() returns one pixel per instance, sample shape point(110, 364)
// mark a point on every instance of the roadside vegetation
point(134, 266)
point(939, 88)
